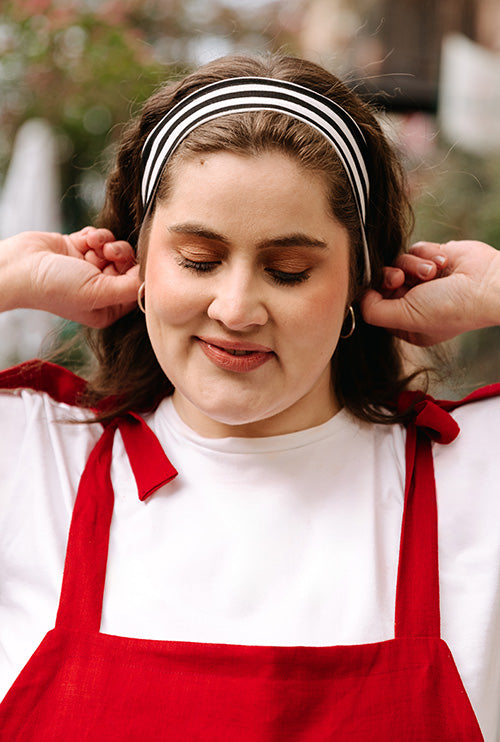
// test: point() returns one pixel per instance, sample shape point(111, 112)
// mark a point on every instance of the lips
point(235, 356)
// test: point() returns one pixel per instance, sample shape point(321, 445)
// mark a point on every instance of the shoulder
point(59, 383)
point(478, 417)
point(25, 410)
point(39, 394)
point(44, 438)
point(468, 469)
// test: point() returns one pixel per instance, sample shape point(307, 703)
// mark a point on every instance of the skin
point(438, 291)
point(245, 251)
point(433, 293)
point(86, 277)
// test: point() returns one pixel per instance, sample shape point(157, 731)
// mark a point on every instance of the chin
point(240, 411)
point(235, 417)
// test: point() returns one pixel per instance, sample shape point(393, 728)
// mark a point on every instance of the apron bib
point(81, 684)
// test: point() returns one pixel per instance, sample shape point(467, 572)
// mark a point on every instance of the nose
point(237, 301)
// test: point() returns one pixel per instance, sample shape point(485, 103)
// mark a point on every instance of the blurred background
point(72, 72)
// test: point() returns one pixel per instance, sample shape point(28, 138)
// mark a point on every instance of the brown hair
point(367, 368)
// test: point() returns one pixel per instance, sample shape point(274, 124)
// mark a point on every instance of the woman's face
point(247, 280)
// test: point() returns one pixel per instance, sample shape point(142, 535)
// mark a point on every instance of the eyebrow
point(289, 240)
point(197, 230)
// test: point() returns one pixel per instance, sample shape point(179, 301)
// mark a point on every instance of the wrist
point(19, 267)
point(489, 294)
point(12, 275)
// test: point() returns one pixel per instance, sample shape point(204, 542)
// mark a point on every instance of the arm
point(438, 291)
point(86, 277)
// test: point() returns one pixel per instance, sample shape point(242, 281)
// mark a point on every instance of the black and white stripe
point(236, 95)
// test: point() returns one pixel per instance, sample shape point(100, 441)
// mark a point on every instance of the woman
point(258, 590)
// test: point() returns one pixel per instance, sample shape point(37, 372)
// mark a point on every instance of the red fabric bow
point(429, 416)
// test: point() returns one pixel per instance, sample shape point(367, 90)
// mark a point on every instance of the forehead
point(249, 96)
point(256, 186)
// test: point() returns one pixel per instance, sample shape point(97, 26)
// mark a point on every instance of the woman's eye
point(284, 278)
point(199, 266)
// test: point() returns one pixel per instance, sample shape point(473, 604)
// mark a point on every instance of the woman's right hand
point(87, 277)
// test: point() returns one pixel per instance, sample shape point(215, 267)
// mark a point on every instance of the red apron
point(81, 684)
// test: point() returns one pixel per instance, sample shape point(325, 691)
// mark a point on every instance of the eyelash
point(281, 278)
point(288, 279)
point(198, 266)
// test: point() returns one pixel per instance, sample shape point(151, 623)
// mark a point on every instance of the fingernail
point(424, 270)
point(440, 259)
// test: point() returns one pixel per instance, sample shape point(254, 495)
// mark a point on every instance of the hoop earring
point(140, 297)
point(346, 335)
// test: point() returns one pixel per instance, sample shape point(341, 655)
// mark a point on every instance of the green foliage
point(86, 65)
point(460, 199)
point(82, 70)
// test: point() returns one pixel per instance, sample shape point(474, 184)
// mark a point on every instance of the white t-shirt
point(287, 540)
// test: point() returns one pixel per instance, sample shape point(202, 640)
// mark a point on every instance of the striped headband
point(239, 94)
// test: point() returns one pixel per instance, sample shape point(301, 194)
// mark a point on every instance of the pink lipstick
point(235, 356)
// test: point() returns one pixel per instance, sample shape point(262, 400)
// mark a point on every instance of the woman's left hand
point(435, 292)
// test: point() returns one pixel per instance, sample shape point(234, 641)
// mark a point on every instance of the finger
point(117, 289)
point(111, 270)
point(92, 257)
point(97, 238)
point(393, 278)
point(432, 251)
point(89, 238)
point(78, 242)
point(120, 253)
point(416, 267)
point(389, 313)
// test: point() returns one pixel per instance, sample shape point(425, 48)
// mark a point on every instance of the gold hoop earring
point(140, 297)
point(346, 335)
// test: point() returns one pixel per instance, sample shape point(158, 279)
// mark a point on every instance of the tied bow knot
point(429, 416)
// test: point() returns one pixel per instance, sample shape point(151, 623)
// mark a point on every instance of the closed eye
point(284, 278)
point(199, 266)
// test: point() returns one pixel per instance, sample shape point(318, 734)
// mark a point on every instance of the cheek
point(327, 309)
point(321, 323)
point(171, 299)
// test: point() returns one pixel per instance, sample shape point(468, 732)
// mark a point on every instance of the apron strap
point(80, 604)
point(417, 592)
